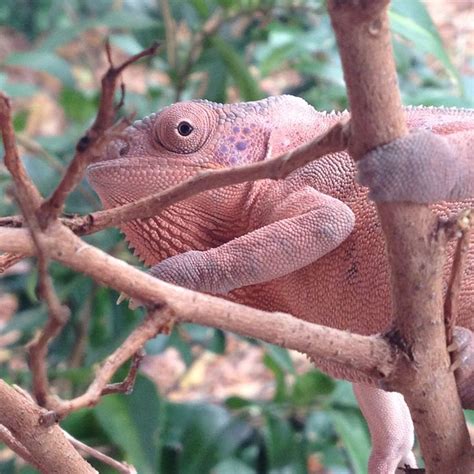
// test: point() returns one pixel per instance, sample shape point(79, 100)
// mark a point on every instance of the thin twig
point(153, 324)
point(93, 142)
point(25, 190)
point(29, 200)
point(121, 467)
point(370, 356)
point(34, 147)
point(332, 141)
point(170, 33)
point(9, 440)
point(126, 385)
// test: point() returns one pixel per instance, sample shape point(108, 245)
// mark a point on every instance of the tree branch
point(52, 453)
point(415, 249)
point(121, 467)
point(370, 355)
point(9, 440)
point(91, 145)
point(332, 141)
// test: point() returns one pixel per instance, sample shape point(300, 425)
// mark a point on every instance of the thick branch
point(416, 256)
point(47, 445)
point(370, 355)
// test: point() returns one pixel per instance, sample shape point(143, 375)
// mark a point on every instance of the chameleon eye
point(184, 127)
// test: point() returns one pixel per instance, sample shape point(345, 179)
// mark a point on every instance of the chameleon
point(311, 244)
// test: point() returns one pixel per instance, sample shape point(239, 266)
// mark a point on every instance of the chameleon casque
point(311, 244)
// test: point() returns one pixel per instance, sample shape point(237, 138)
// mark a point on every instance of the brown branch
point(121, 467)
point(92, 143)
point(52, 453)
point(34, 147)
point(369, 355)
point(29, 201)
point(126, 386)
point(38, 347)
point(26, 192)
point(152, 325)
point(332, 141)
point(415, 250)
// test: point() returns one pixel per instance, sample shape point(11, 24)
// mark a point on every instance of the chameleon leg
point(293, 232)
point(390, 426)
point(421, 167)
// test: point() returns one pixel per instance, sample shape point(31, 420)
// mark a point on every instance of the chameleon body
point(310, 245)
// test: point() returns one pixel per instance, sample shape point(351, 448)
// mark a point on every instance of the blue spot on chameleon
point(236, 129)
point(241, 146)
point(246, 130)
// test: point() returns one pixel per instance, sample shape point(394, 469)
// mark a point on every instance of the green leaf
point(202, 7)
point(133, 423)
point(200, 436)
point(115, 19)
point(217, 344)
point(311, 385)
point(77, 105)
point(43, 61)
point(238, 69)
point(411, 20)
point(351, 428)
point(280, 356)
point(232, 466)
point(237, 403)
point(279, 440)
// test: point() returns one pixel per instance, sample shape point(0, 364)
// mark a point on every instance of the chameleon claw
point(453, 347)
point(133, 303)
point(455, 365)
point(122, 297)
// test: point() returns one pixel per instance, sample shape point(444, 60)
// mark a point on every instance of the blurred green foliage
point(251, 48)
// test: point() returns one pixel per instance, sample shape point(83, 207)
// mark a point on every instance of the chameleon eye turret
point(184, 127)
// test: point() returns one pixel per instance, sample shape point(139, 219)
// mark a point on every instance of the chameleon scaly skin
point(310, 245)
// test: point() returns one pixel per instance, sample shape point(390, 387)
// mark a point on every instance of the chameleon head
point(170, 146)
point(154, 153)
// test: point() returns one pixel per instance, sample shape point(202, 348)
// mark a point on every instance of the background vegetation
point(51, 59)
